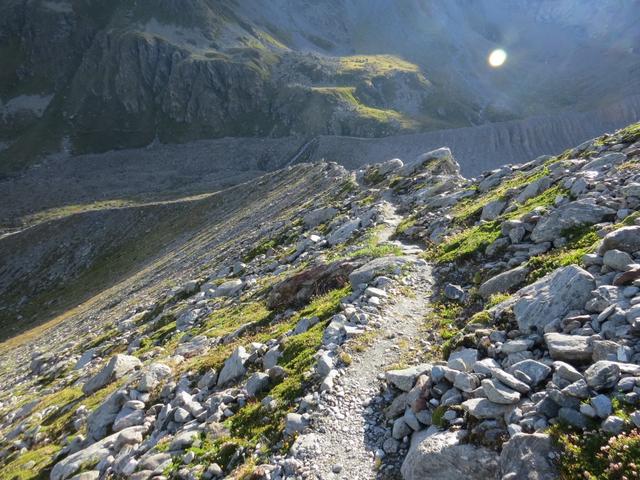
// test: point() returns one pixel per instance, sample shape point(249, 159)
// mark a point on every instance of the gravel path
point(350, 431)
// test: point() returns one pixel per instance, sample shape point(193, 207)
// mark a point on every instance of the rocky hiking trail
point(347, 440)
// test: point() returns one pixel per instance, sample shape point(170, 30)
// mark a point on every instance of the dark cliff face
point(120, 74)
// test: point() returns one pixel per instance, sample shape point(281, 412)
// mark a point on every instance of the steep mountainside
point(86, 76)
point(399, 321)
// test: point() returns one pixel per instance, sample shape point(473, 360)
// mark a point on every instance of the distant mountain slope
point(106, 75)
point(163, 172)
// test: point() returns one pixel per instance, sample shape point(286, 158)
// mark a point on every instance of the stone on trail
point(375, 268)
point(405, 378)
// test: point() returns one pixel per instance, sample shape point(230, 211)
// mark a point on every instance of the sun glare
point(497, 58)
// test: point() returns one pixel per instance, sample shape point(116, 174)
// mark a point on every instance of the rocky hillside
point(396, 321)
point(88, 76)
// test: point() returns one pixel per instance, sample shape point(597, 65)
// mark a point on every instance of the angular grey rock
point(602, 405)
point(510, 381)
point(466, 382)
point(324, 364)
point(613, 424)
point(271, 358)
point(485, 366)
point(533, 189)
point(551, 297)
point(528, 457)
point(118, 366)
point(184, 439)
point(503, 282)
point(234, 367)
point(617, 259)
point(567, 371)
point(572, 214)
point(91, 455)
point(453, 292)
point(573, 418)
point(626, 239)
point(497, 392)
point(578, 389)
point(229, 288)
point(257, 383)
point(128, 418)
point(389, 166)
point(533, 371)
point(442, 156)
point(570, 348)
point(400, 429)
point(102, 417)
point(463, 359)
point(602, 375)
point(318, 216)
point(492, 210)
point(607, 160)
point(374, 268)
point(444, 456)
point(344, 232)
point(404, 379)
point(153, 376)
point(295, 423)
point(483, 408)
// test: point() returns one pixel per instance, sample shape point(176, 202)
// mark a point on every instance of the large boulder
point(552, 297)
point(626, 239)
point(296, 291)
point(438, 162)
point(442, 455)
point(118, 366)
point(374, 268)
point(526, 457)
point(573, 214)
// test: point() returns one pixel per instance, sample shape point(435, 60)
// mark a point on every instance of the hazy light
point(497, 58)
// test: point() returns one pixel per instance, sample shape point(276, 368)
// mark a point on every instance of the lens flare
point(497, 58)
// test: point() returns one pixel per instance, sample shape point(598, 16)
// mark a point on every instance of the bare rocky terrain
point(400, 322)
point(61, 184)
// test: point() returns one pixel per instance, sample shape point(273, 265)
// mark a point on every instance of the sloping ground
point(60, 263)
point(527, 359)
point(173, 171)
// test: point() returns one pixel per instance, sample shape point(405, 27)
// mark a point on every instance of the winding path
point(349, 430)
